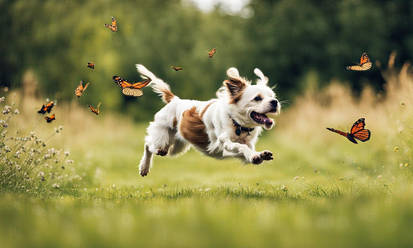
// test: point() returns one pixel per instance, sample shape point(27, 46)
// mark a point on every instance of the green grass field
point(319, 191)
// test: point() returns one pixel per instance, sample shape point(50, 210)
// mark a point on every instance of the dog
point(227, 126)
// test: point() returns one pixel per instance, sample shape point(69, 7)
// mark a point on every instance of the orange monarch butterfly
point(80, 89)
point(357, 131)
point(365, 64)
point(50, 119)
point(95, 110)
point(113, 26)
point(131, 89)
point(91, 65)
point(46, 108)
point(212, 52)
point(177, 68)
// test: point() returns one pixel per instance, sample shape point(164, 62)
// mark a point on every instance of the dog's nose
point(274, 104)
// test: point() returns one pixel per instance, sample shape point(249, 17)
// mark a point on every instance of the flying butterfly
point(50, 118)
point(91, 65)
point(95, 110)
point(212, 52)
point(80, 89)
point(177, 68)
point(131, 89)
point(46, 108)
point(357, 131)
point(113, 26)
point(365, 64)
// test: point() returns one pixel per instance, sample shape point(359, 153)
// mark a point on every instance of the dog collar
point(240, 129)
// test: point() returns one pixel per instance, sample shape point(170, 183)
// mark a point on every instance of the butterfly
point(357, 131)
point(80, 89)
point(113, 26)
point(177, 68)
point(212, 52)
point(95, 110)
point(131, 89)
point(46, 108)
point(365, 64)
point(50, 118)
point(91, 65)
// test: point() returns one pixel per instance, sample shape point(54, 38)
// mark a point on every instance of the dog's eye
point(258, 98)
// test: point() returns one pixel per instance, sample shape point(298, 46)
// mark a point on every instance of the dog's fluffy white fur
point(227, 126)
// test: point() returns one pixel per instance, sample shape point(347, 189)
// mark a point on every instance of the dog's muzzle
point(274, 106)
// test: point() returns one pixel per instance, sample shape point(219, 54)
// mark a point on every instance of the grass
point(320, 191)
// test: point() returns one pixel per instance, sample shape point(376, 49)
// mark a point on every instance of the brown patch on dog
point(193, 129)
point(236, 89)
point(206, 107)
point(167, 95)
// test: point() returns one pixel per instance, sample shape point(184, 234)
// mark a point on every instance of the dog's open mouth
point(261, 119)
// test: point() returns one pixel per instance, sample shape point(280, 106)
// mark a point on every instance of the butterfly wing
point(132, 92)
point(42, 109)
point(365, 64)
point(212, 52)
point(177, 68)
point(140, 85)
point(121, 82)
point(362, 135)
point(114, 24)
point(50, 119)
point(364, 59)
point(357, 126)
point(94, 110)
point(91, 65)
point(84, 88)
point(49, 106)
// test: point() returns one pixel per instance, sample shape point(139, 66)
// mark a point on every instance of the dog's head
point(250, 105)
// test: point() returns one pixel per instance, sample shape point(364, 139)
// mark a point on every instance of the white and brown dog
point(227, 126)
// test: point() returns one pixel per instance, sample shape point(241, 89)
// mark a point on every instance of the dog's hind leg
point(156, 142)
point(146, 162)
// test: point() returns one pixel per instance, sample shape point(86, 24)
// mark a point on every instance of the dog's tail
point(157, 84)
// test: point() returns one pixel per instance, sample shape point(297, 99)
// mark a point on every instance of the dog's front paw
point(144, 172)
point(266, 155)
point(257, 159)
point(162, 152)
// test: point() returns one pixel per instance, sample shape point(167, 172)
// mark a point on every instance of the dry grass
point(320, 191)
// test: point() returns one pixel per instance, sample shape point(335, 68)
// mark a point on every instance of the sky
point(232, 6)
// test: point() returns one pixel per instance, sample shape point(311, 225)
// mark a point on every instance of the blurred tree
point(294, 37)
point(287, 39)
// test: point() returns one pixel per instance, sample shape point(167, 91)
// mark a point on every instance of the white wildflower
point(4, 124)
point(6, 110)
point(2, 99)
point(56, 185)
point(69, 161)
point(16, 112)
point(67, 153)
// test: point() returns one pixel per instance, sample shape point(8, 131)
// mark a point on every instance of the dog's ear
point(235, 84)
point(263, 79)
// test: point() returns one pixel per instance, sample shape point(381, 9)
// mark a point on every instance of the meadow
point(319, 191)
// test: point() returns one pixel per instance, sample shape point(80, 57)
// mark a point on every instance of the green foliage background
point(287, 39)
